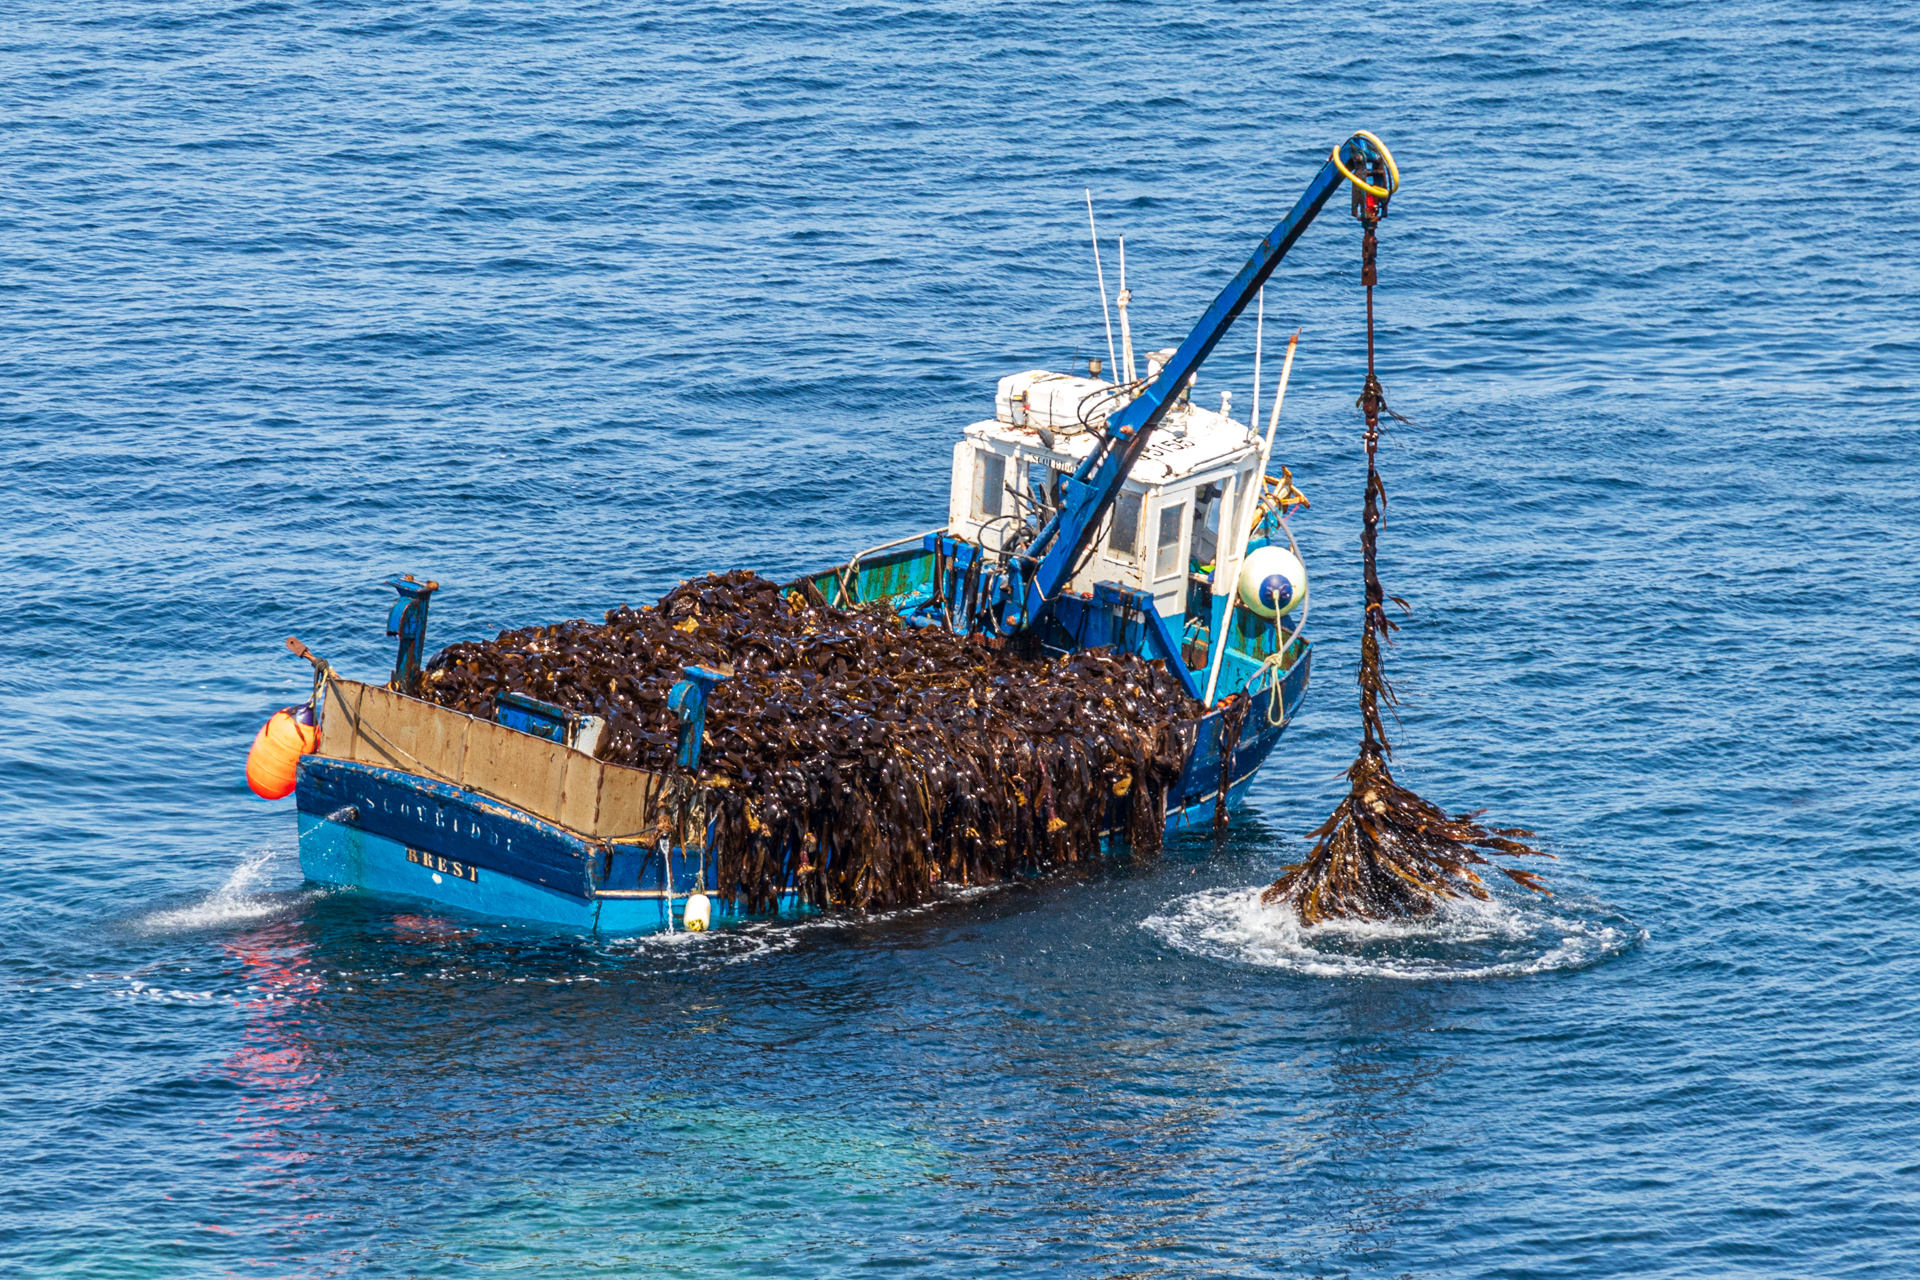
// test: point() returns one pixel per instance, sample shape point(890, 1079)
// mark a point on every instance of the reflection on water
point(998, 1080)
point(273, 1066)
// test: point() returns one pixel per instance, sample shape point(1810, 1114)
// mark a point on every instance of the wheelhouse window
point(1166, 560)
point(1206, 525)
point(989, 484)
point(1124, 540)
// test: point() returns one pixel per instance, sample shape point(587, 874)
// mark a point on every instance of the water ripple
point(561, 306)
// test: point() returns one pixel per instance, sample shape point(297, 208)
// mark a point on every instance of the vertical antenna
point(1126, 330)
point(1102, 278)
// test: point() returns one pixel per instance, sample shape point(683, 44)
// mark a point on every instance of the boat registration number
point(444, 866)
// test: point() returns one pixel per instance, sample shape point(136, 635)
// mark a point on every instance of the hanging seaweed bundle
point(1386, 853)
point(914, 755)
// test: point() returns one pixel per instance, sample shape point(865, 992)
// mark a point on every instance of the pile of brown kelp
point(916, 756)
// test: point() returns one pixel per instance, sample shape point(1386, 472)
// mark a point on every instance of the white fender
point(699, 913)
point(1273, 582)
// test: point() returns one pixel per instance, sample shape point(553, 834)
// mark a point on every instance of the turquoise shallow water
point(562, 309)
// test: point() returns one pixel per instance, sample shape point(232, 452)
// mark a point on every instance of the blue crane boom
point(1090, 493)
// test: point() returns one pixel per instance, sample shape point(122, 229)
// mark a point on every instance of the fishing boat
point(1098, 508)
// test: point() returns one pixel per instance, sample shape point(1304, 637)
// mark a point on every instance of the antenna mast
point(1102, 278)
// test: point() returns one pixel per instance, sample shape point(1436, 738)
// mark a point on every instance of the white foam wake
point(737, 941)
point(243, 898)
point(1464, 939)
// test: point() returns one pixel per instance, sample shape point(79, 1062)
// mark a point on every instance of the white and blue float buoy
point(1273, 582)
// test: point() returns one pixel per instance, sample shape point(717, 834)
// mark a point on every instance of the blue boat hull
point(395, 832)
point(344, 853)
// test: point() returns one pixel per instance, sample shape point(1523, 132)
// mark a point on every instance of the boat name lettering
point(446, 866)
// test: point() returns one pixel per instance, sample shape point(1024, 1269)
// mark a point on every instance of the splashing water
point(242, 899)
point(1462, 939)
point(729, 944)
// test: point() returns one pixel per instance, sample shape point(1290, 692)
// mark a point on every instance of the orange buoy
point(283, 739)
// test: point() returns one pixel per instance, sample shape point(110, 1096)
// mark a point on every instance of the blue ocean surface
point(562, 307)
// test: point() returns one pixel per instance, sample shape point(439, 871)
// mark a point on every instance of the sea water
point(560, 308)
